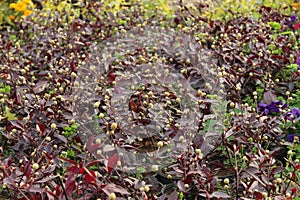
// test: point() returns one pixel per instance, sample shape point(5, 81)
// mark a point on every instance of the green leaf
point(277, 51)
point(9, 115)
point(238, 111)
point(275, 25)
point(141, 170)
point(286, 33)
point(12, 37)
point(209, 125)
point(293, 66)
point(272, 47)
point(5, 89)
point(246, 48)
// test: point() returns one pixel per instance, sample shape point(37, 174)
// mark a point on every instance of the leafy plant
point(137, 100)
point(70, 130)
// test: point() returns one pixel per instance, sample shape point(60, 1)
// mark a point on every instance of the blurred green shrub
point(228, 9)
point(11, 10)
point(220, 9)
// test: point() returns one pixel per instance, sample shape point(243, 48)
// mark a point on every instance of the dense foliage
point(142, 100)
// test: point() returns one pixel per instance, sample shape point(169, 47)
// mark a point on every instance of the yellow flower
point(19, 6)
point(12, 5)
point(296, 6)
point(27, 12)
point(12, 18)
point(26, 1)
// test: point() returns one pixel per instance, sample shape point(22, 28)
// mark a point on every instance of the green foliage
point(209, 124)
point(286, 72)
point(9, 115)
point(69, 9)
point(70, 130)
point(4, 89)
point(5, 13)
point(275, 25)
point(12, 10)
point(7, 151)
point(250, 101)
point(219, 9)
point(150, 7)
point(4, 110)
point(68, 154)
point(162, 5)
point(140, 172)
point(296, 100)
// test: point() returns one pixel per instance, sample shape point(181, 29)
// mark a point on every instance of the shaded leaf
point(173, 195)
point(180, 185)
point(35, 189)
point(27, 170)
point(49, 178)
point(269, 97)
point(110, 188)
point(40, 86)
point(219, 195)
point(112, 163)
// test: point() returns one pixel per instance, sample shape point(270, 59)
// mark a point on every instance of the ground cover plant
point(142, 100)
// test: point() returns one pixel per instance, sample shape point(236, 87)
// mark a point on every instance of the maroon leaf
point(51, 194)
point(211, 24)
point(57, 190)
point(90, 146)
point(258, 195)
point(70, 187)
point(70, 161)
point(27, 170)
point(41, 128)
point(111, 77)
point(281, 58)
point(93, 163)
point(72, 66)
point(72, 168)
point(112, 163)
point(90, 177)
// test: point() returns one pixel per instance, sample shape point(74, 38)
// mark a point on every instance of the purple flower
point(271, 108)
point(293, 18)
point(295, 112)
point(290, 137)
point(298, 62)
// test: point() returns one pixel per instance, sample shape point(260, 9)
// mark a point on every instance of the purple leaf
point(112, 163)
point(219, 195)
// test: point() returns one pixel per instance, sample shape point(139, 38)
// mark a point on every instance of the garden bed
point(149, 101)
